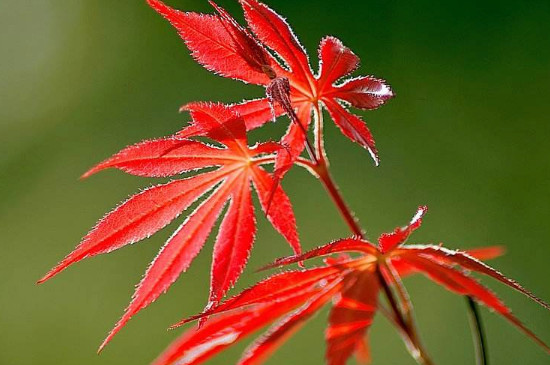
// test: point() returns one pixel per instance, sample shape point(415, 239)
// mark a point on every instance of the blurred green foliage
point(467, 134)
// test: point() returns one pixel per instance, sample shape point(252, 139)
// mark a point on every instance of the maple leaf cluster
point(219, 171)
point(353, 284)
point(222, 46)
point(236, 167)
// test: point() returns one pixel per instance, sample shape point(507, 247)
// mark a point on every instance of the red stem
point(320, 167)
point(336, 196)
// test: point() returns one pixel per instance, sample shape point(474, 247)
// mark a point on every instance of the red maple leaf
point(237, 168)
point(223, 46)
point(352, 283)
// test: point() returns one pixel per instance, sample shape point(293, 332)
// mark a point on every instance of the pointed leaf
point(262, 348)
point(264, 148)
point(245, 44)
point(234, 242)
point(256, 113)
point(139, 217)
point(219, 123)
point(212, 44)
point(280, 212)
point(486, 253)
point(276, 288)
point(352, 127)
point(365, 92)
point(273, 31)
point(344, 245)
point(362, 351)
point(471, 263)
point(176, 255)
point(404, 269)
point(200, 344)
point(389, 241)
point(293, 141)
point(460, 283)
point(336, 61)
point(165, 157)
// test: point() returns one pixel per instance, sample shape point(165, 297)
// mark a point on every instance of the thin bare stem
point(478, 334)
point(338, 200)
point(321, 170)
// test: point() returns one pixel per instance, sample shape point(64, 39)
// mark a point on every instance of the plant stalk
point(321, 169)
point(478, 333)
point(338, 200)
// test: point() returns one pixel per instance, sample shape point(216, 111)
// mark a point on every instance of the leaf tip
point(108, 339)
point(103, 344)
point(50, 274)
point(87, 174)
point(375, 158)
point(101, 166)
point(178, 324)
point(118, 326)
point(186, 108)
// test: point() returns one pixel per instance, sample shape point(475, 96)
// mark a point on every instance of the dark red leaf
point(404, 269)
point(362, 351)
point(219, 123)
point(356, 299)
point(151, 210)
point(293, 141)
point(246, 46)
point(486, 253)
point(263, 148)
point(223, 46)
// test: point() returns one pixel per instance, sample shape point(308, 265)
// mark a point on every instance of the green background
point(467, 135)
